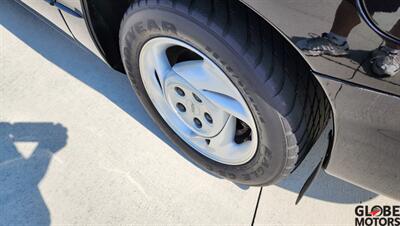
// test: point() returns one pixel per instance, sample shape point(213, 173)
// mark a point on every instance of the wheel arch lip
point(108, 51)
point(350, 118)
point(89, 25)
point(314, 73)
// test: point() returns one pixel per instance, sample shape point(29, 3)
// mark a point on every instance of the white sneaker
point(385, 62)
point(320, 45)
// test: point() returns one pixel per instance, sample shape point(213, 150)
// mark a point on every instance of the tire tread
point(284, 76)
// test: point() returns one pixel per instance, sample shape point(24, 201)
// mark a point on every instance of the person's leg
point(346, 18)
point(396, 32)
point(335, 42)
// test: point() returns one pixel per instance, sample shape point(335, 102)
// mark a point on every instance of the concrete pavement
point(76, 147)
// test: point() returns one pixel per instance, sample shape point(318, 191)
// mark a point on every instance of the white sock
point(337, 39)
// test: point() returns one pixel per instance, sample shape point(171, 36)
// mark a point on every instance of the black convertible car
point(246, 87)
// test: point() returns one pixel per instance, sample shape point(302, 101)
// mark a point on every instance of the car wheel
point(223, 86)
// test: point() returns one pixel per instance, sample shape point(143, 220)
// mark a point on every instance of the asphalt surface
point(76, 147)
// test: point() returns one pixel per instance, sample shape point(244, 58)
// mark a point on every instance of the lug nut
point(197, 122)
point(181, 107)
point(197, 98)
point(208, 118)
point(179, 91)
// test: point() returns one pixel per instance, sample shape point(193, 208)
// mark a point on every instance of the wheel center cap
point(194, 109)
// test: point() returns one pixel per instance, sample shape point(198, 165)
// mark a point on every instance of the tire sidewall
point(144, 24)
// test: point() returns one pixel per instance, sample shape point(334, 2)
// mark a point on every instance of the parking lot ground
point(76, 147)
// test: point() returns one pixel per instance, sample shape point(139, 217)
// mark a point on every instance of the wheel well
point(104, 18)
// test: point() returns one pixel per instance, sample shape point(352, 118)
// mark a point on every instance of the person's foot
point(385, 61)
point(317, 46)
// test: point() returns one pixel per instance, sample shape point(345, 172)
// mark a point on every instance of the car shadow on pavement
point(89, 69)
point(21, 170)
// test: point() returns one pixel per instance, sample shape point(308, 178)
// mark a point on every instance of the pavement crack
point(127, 176)
point(256, 209)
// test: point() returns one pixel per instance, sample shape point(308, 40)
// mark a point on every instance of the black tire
point(288, 105)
